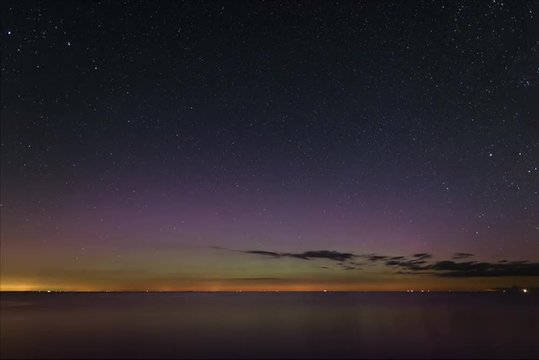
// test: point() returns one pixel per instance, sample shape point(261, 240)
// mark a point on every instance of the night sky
point(269, 145)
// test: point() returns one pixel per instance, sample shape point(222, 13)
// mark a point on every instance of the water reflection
point(268, 325)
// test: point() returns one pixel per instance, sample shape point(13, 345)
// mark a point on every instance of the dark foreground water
point(157, 325)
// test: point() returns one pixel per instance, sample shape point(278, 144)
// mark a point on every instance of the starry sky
point(255, 145)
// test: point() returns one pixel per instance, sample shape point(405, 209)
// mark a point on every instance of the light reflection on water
point(268, 325)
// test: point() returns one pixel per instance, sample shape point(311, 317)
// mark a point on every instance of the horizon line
point(414, 291)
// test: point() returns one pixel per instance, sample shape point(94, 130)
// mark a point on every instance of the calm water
point(269, 325)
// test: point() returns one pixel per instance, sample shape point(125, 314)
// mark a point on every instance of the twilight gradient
point(160, 146)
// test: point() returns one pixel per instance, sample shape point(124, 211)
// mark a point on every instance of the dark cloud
point(375, 257)
point(326, 254)
point(265, 253)
point(413, 264)
point(307, 255)
point(484, 269)
point(461, 255)
point(422, 256)
point(419, 263)
point(469, 269)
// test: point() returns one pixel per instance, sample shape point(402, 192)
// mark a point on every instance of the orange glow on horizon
point(247, 287)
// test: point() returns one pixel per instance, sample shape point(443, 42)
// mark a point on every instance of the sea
point(269, 325)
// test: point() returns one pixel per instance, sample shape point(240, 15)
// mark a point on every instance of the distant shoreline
point(529, 290)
